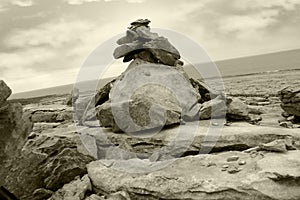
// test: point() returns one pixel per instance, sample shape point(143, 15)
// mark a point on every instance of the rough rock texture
point(15, 126)
point(290, 98)
point(48, 161)
point(5, 92)
point(149, 97)
point(213, 108)
point(71, 99)
point(50, 113)
point(272, 176)
point(140, 42)
point(75, 190)
point(193, 138)
point(236, 109)
point(14, 129)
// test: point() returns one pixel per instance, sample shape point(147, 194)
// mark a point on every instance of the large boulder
point(15, 126)
point(47, 162)
point(290, 98)
point(150, 96)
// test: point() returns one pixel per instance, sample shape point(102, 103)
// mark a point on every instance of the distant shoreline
point(66, 89)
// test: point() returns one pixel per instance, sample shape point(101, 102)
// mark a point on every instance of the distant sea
point(285, 60)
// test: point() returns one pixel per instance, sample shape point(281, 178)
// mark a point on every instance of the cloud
point(56, 34)
point(79, 2)
point(25, 58)
point(22, 3)
point(245, 25)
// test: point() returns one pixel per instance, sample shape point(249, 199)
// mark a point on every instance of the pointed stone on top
point(140, 22)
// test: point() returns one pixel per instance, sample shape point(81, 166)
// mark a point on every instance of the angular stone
point(5, 92)
point(102, 95)
point(50, 160)
point(290, 94)
point(275, 146)
point(213, 109)
point(150, 96)
point(75, 190)
point(203, 89)
point(15, 126)
point(291, 108)
point(71, 99)
point(145, 33)
point(161, 43)
point(124, 49)
point(130, 37)
point(236, 109)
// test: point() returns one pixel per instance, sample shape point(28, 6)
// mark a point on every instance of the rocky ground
point(246, 161)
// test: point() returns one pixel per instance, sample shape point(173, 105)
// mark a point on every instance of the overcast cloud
point(44, 42)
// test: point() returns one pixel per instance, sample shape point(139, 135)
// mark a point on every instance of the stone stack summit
point(154, 91)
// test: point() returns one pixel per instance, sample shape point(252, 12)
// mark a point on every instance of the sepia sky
point(44, 42)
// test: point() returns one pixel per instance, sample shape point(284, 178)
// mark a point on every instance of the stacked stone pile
point(154, 91)
point(290, 103)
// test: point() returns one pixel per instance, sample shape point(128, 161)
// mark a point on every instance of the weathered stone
point(213, 108)
point(71, 99)
point(15, 126)
point(121, 195)
point(291, 108)
point(42, 193)
point(236, 109)
point(203, 89)
point(290, 98)
point(262, 178)
point(102, 95)
point(144, 33)
point(191, 138)
point(124, 49)
point(232, 158)
point(161, 43)
point(275, 146)
point(142, 22)
point(47, 161)
point(75, 190)
point(162, 97)
point(290, 94)
point(129, 38)
point(5, 92)
point(51, 114)
point(94, 197)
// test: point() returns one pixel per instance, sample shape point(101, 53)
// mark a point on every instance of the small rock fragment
point(232, 158)
point(233, 170)
point(242, 162)
point(275, 146)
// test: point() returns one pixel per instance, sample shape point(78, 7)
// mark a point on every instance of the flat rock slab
point(184, 139)
point(272, 176)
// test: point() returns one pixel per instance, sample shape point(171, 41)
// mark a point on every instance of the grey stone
point(197, 181)
point(236, 109)
point(75, 190)
point(5, 92)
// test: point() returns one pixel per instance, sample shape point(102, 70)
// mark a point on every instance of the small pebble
point(225, 166)
point(242, 162)
point(234, 170)
point(253, 154)
point(232, 158)
point(215, 124)
point(209, 164)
